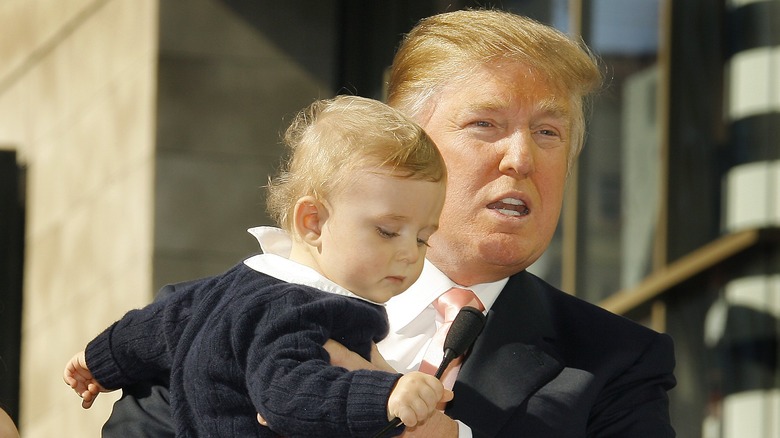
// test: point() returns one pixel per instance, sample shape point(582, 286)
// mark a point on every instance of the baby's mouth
point(510, 207)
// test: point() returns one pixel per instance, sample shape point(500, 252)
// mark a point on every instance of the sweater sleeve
point(295, 388)
point(140, 345)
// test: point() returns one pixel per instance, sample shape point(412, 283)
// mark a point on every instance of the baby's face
point(375, 236)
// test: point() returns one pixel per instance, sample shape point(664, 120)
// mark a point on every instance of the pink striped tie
point(448, 305)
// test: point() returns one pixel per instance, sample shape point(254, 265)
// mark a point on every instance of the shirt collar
point(276, 246)
point(273, 240)
point(404, 308)
point(401, 309)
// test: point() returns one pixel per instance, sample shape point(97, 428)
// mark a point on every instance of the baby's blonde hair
point(332, 138)
point(447, 47)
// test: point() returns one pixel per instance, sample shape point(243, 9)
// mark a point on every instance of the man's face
point(504, 134)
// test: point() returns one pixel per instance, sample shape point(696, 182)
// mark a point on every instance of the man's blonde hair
point(445, 48)
point(330, 139)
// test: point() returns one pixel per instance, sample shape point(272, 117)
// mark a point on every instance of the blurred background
point(136, 137)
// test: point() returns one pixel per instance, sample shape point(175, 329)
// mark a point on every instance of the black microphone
point(463, 332)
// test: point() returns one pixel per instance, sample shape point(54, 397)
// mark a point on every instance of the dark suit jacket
point(550, 365)
point(546, 365)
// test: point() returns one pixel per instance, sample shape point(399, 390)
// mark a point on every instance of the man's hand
point(439, 425)
point(341, 356)
point(378, 361)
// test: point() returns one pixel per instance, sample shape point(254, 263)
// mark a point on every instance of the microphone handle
point(449, 356)
point(395, 422)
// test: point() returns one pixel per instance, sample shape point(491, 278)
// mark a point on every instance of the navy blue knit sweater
point(244, 342)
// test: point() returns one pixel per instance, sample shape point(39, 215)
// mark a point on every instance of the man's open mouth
point(510, 207)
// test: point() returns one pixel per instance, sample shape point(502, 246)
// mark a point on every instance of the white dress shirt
point(413, 319)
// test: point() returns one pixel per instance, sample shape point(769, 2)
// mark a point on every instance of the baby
point(360, 196)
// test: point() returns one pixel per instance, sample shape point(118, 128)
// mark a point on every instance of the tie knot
point(449, 304)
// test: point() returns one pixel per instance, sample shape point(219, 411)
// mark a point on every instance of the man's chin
point(508, 253)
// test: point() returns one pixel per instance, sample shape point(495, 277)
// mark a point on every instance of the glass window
point(618, 184)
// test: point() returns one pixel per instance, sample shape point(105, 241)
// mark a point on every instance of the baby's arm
point(78, 376)
point(414, 398)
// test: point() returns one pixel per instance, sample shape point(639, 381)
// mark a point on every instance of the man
point(502, 96)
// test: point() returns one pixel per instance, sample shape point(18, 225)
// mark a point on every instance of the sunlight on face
point(375, 237)
point(504, 135)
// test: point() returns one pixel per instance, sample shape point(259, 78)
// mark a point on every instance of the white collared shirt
point(274, 261)
point(413, 319)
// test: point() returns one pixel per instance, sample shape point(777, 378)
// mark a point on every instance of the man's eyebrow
point(487, 106)
point(554, 107)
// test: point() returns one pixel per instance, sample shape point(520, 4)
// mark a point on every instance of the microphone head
point(464, 330)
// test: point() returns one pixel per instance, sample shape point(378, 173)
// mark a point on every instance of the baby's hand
point(78, 377)
point(415, 397)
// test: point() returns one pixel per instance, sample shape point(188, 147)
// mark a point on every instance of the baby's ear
point(310, 215)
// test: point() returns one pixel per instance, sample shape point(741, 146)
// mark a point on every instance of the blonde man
point(503, 97)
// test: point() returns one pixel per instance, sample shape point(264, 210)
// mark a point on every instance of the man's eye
point(421, 242)
point(483, 124)
point(384, 233)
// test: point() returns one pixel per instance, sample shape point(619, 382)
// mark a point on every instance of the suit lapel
point(510, 360)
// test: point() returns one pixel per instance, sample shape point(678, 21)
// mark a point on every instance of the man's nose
point(517, 159)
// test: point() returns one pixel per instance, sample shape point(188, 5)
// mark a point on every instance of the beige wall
point(132, 137)
point(77, 92)
point(230, 77)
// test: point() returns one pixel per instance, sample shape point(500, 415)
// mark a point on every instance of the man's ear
point(309, 216)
